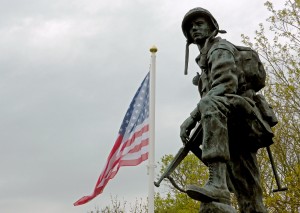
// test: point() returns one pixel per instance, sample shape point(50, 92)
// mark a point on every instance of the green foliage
point(118, 206)
point(190, 171)
point(280, 49)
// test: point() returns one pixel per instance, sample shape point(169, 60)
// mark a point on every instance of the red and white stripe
point(130, 152)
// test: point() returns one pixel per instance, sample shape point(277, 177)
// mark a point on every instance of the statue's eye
point(199, 23)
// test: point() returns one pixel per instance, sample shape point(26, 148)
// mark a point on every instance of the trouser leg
point(215, 138)
point(214, 111)
point(215, 153)
point(244, 174)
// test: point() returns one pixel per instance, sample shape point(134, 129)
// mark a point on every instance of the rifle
point(279, 187)
point(192, 145)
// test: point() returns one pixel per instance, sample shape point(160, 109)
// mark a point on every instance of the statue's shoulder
point(219, 43)
point(215, 44)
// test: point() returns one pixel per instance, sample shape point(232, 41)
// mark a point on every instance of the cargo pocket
point(265, 109)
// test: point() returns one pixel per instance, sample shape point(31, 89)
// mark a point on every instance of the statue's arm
point(223, 73)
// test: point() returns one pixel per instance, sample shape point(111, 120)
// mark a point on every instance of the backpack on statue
point(249, 63)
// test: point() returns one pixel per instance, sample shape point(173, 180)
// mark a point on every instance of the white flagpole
point(151, 159)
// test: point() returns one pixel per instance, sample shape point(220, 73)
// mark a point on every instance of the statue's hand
point(185, 129)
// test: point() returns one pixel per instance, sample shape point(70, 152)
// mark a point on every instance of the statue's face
point(200, 29)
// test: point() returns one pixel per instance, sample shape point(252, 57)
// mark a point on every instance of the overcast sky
point(68, 71)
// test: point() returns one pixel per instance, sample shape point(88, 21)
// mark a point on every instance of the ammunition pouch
point(265, 109)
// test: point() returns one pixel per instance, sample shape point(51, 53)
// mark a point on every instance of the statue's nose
point(194, 26)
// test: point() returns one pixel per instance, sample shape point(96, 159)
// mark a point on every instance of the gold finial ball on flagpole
point(153, 49)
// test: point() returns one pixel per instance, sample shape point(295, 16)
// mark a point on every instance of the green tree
point(118, 206)
point(280, 48)
point(190, 171)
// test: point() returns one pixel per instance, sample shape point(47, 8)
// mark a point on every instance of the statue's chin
point(200, 40)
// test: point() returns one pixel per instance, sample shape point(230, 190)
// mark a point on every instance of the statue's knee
point(213, 105)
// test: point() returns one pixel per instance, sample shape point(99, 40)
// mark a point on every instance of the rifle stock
point(279, 187)
point(192, 145)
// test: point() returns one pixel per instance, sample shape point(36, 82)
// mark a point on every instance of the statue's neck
point(200, 45)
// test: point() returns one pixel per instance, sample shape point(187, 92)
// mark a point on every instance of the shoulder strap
point(202, 58)
point(222, 44)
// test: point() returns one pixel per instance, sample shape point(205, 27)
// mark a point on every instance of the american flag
point(131, 146)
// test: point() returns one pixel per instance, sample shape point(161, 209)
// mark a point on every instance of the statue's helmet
point(194, 13)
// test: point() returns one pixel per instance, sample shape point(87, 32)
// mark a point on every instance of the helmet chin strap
point(186, 63)
point(205, 50)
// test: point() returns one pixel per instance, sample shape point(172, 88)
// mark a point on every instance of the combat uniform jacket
point(221, 77)
point(219, 71)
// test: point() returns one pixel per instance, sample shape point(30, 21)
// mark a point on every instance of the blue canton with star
point(138, 109)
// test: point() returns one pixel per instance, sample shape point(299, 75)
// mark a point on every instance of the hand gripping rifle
point(192, 145)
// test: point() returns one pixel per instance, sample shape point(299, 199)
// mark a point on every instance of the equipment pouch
point(265, 109)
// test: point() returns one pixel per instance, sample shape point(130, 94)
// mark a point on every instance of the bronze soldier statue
point(235, 119)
